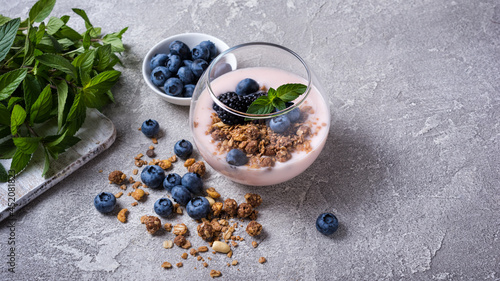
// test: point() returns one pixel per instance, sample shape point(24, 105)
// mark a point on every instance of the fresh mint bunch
point(276, 99)
point(50, 71)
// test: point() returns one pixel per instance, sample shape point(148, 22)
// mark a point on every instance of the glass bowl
point(270, 154)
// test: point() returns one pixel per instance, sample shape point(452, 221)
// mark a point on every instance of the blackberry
point(239, 103)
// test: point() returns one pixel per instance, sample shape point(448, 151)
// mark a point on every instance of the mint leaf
point(13, 101)
point(103, 81)
point(7, 35)
point(29, 48)
point(40, 110)
point(26, 145)
point(40, 33)
point(4, 115)
point(19, 161)
point(54, 25)
point(276, 98)
point(84, 63)
point(115, 41)
point(10, 81)
point(62, 95)
point(76, 115)
point(57, 62)
point(84, 16)
point(4, 177)
point(41, 10)
point(68, 32)
point(7, 149)
point(4, 20)
point(290, 92)
point(17, 118)
point(262, 105)
point(31, 89)
point(103, 56)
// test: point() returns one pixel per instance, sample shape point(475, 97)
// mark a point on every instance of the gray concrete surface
point(411, 167)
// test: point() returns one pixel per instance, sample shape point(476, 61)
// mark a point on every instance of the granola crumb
point(262, 260)
point(189, 162)
point(234, 262)
point(151, 147)
point(134, 204)
point(167, 244)
point(138, 194)
point(215, 273)
point(100, 171)
point(230, 254)
point(154, 140)
point(168, 226)
point(205, 264)
point(198, 168)
point(179, 264)
point(123, 187)
point(184, 255)
point(203, 249)
point(255, 244)
point(119, 194)
point(193, 252)
point(122, 215)
point(180, 229)
point(166, 265)
point(116, 177)
point(152, 224)
point(253, 199)
point(165, 164)
point(199, 258)
point(254, 228)
point(213, 193)
point(173, 159)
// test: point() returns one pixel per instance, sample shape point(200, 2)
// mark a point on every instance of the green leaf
point(82, 14)
point(54, 25)
point(4, 177)
point(13, 101)
point(31, 89)
point(10, 81)
point(4, 115)
point(19, 161)
point(7, 149)
point(7, 35)
point(40, 110)
point(86, 40)
point(57, 62)
point(65, 43)
point(40, 33)
point(279, 104)
point(261, 105)
point(84, 63)
point(17, 118)
point(104, 57)
point(65, 19)
point(27, 145)
point(115, 41)
point(290, 92)
point(62, 95)
point(119, 34)
point(103, 81)
point(29, 48)
point(65, 143)
point(41, 10)
point(4, 19)
point(76, 115)
point(4, 131)
point(68, 32)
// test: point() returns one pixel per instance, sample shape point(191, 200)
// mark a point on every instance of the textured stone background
point(411, 167)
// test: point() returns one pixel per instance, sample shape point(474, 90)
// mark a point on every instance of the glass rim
point(251, 115)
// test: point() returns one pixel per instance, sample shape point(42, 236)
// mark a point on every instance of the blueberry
point(200, 52)
point(183, 149)
point(294, 115)
point(236, 157)
point(247, 86)
point(187, 63)
point(159, 75)
point(222, 68)
point(105, 202)
point(279, 124)
point(179, 48)
point(174, 63)
point(180, 194)
point(193, 182)
point(158, 60)
point(171, 180)
point(173, 87)
point(188, 90)
point(153, 176)
point(185, 74)
point(163, 207)
point(327, 223)
point(198, 66)
point(211, 48)
point(150, 128)
point(198, 208)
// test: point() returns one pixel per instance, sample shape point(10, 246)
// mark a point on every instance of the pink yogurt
point(282, 171)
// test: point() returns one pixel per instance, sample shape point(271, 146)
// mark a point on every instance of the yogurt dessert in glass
point(256, 147)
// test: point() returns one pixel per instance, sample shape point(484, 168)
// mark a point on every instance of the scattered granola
point(180, 240)
point(167, 244)
point(122, 215)
point(262, 260)
point(180, 229)
point(203, 249)
point(168, 226)
point(179, 264)
point(117, 177)
point(152, 224)
point(254, 228)
point(244, 210)
point(189, 162)
point(166, 265)
point(198, 167)
point(253, 199)
point(230, 207)
point(205, 231)
point(215, 273)
point(138, 194)
point(119, 194)
point(184, 255)
point(255, 244)
point(213, 193)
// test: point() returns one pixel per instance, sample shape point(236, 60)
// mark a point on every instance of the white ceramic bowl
point(190, 39)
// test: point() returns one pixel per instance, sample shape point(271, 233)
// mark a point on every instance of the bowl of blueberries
point(173, 66)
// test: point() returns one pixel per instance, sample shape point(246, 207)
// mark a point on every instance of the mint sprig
point(49, 71)
point(276, 99)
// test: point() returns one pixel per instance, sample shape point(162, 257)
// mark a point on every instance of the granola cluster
point(263, 146)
